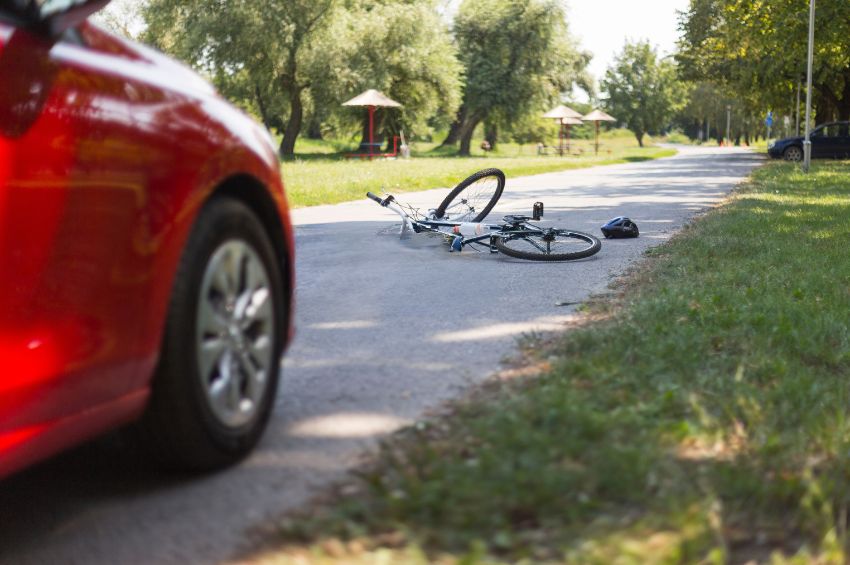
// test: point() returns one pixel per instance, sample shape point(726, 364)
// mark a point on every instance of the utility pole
point(807, 143)
point(729, 122)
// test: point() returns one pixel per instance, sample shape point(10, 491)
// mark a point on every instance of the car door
point(843, 145)
point(73, 257)
point(825, 142)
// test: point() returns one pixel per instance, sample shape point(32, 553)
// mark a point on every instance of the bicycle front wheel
point(548, 245)
point(472, 199)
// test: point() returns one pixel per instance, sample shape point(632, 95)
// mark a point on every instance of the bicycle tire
point(528, 251)
point(487, 186)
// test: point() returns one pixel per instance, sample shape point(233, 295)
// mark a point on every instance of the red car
point(146, 252)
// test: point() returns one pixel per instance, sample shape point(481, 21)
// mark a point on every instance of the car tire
point(216, 381)
point(793, 153)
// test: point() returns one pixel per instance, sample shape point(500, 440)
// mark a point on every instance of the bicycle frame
point(515, 236)
point(504, 230)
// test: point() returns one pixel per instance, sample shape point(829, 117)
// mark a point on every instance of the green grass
point(703, 416)
point(320, 176)
point(677, 137)
point(759, 146)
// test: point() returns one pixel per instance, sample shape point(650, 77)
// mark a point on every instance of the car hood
point(788, 140)
point(180, 76)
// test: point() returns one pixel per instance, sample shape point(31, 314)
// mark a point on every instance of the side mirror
point(55, 17)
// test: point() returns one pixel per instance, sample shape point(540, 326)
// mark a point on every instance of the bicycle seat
point(515, 219)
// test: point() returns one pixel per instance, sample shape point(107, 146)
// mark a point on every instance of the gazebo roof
point(598, 116)
point(372, 98)
point(571, 121)
point(562, 113)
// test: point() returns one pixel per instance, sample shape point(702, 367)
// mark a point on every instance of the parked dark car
point(146, 250)
point(829, 141)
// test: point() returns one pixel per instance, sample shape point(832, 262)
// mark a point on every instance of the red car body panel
point(107, 152)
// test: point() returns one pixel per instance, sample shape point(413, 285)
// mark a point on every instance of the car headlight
point(771, 145)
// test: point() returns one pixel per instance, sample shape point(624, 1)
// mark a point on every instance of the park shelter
point(567, 117)
point(597, 116)
point(372, 99)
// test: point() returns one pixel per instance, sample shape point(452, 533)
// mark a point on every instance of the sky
point(603, 26)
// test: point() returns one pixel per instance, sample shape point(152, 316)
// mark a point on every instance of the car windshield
point(831, 130)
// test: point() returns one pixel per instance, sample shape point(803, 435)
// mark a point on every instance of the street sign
point(768, 121)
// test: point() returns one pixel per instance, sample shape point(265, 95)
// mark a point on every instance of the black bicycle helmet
point(620, 227)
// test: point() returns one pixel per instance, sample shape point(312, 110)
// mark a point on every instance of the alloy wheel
point(235, 332)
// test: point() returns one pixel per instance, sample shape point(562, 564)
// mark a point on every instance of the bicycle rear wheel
point(548, 245)
point(472, 199)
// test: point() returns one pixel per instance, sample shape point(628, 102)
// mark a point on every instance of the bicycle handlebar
point(390, 203)
point(383, 202)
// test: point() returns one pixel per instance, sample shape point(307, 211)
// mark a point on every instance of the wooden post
point(596, 152)
point(371, 130)
point(561, 140)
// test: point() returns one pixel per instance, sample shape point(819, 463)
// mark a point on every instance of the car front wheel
point(214, 389)
point(793, 153)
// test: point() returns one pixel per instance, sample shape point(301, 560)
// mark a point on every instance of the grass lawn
point(701, 416)
point(319, 176)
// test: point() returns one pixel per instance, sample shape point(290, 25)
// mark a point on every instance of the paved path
point(386, 329)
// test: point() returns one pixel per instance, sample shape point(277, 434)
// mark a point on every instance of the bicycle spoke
point(548, 245)
point(472, 199)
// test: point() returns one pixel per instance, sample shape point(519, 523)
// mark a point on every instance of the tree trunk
point(262, 107)
point(491, 134)
point(639, 135)
point(293, 125)
point(466, 131)
point(454, 131)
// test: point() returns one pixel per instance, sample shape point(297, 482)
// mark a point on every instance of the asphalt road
point(386, 329)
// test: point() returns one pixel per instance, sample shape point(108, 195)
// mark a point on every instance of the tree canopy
point(517, 56)
point(253, 50)
point(402, 49)
point(285, 59)
point(642, 91)
point(757, 50)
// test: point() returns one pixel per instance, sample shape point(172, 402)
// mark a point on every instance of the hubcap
point(235, 332)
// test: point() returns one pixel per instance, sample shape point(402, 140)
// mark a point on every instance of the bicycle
point(458, 218)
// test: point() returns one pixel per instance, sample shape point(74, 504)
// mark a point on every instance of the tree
point(533, 129)
point(758, 50)
point(704, 115)
point(253, 50)
point(287, 60)
point(123, 17)
point(642, 91)
point(400, 48)
point(516, 54)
